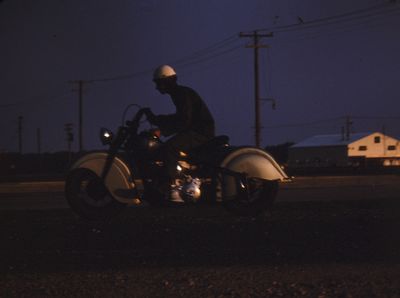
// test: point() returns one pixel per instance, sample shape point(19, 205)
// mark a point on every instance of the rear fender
point(254, 163)
point(119, 177)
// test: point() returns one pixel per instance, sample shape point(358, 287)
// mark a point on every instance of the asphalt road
point(325, 237)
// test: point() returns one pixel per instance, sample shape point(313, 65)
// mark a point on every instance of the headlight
point(106, 136)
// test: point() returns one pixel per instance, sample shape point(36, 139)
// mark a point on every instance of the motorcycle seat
point(216, 142)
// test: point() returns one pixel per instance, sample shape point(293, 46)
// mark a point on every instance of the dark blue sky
point(342, 60)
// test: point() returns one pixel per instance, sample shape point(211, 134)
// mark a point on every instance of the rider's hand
point(149, 115)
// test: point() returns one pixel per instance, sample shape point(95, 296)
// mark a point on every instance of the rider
point(190, 126)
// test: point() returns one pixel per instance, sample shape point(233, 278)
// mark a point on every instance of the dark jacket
point(192, 115)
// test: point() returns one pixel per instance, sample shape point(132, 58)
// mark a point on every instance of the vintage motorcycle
point(99, 184)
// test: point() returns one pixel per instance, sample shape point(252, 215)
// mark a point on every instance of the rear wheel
point(88, 196)
point(260, 197)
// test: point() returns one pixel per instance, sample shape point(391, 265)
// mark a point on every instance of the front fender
point(119, 177)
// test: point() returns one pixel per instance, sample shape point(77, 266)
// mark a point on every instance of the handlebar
point(133, 125)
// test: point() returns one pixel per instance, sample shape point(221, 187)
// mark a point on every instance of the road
point(325, 237)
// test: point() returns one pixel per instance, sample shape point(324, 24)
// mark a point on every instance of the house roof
point(330, 140)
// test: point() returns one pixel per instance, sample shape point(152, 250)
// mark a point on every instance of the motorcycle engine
point(188, 190)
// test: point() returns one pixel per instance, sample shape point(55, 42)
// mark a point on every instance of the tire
point(261, 197)
point(88, 197)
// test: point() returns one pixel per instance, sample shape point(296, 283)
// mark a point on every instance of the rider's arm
point(167, 124)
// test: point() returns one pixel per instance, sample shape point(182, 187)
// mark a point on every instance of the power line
point(33, 101)
point(311, 123)
point(230, 58)
point(207, 50)
point(210, 57)
point(349, 16)
point(208, 53)
point(321, 121)
point(198, 56)
point(375, 118)
point(121, 77)
point(349, 27)
point(180, 64)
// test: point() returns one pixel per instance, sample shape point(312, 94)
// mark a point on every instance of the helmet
point(163, 72)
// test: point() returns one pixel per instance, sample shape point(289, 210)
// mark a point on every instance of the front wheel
point(260, 197)
point(88, 197)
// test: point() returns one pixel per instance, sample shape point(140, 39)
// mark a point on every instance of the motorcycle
point(100, 184)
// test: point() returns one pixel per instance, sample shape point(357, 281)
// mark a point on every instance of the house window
point(377, 139)
point(391, 147)
point(362, 148)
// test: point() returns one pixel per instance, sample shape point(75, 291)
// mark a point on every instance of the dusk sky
point(326, 60)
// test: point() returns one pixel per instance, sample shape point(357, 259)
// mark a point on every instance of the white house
point(338, 150)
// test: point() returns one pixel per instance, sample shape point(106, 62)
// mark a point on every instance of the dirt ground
point(325, 237)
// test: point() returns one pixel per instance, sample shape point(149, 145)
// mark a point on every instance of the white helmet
point(163, 71)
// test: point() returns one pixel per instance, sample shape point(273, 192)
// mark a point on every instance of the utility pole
point(348, 127)
point(39, 140)
point(256, 38)
point(80, 107)
point(70, 138)
point(20, 118)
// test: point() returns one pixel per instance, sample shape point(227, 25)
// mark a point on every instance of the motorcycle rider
point(190, 126)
